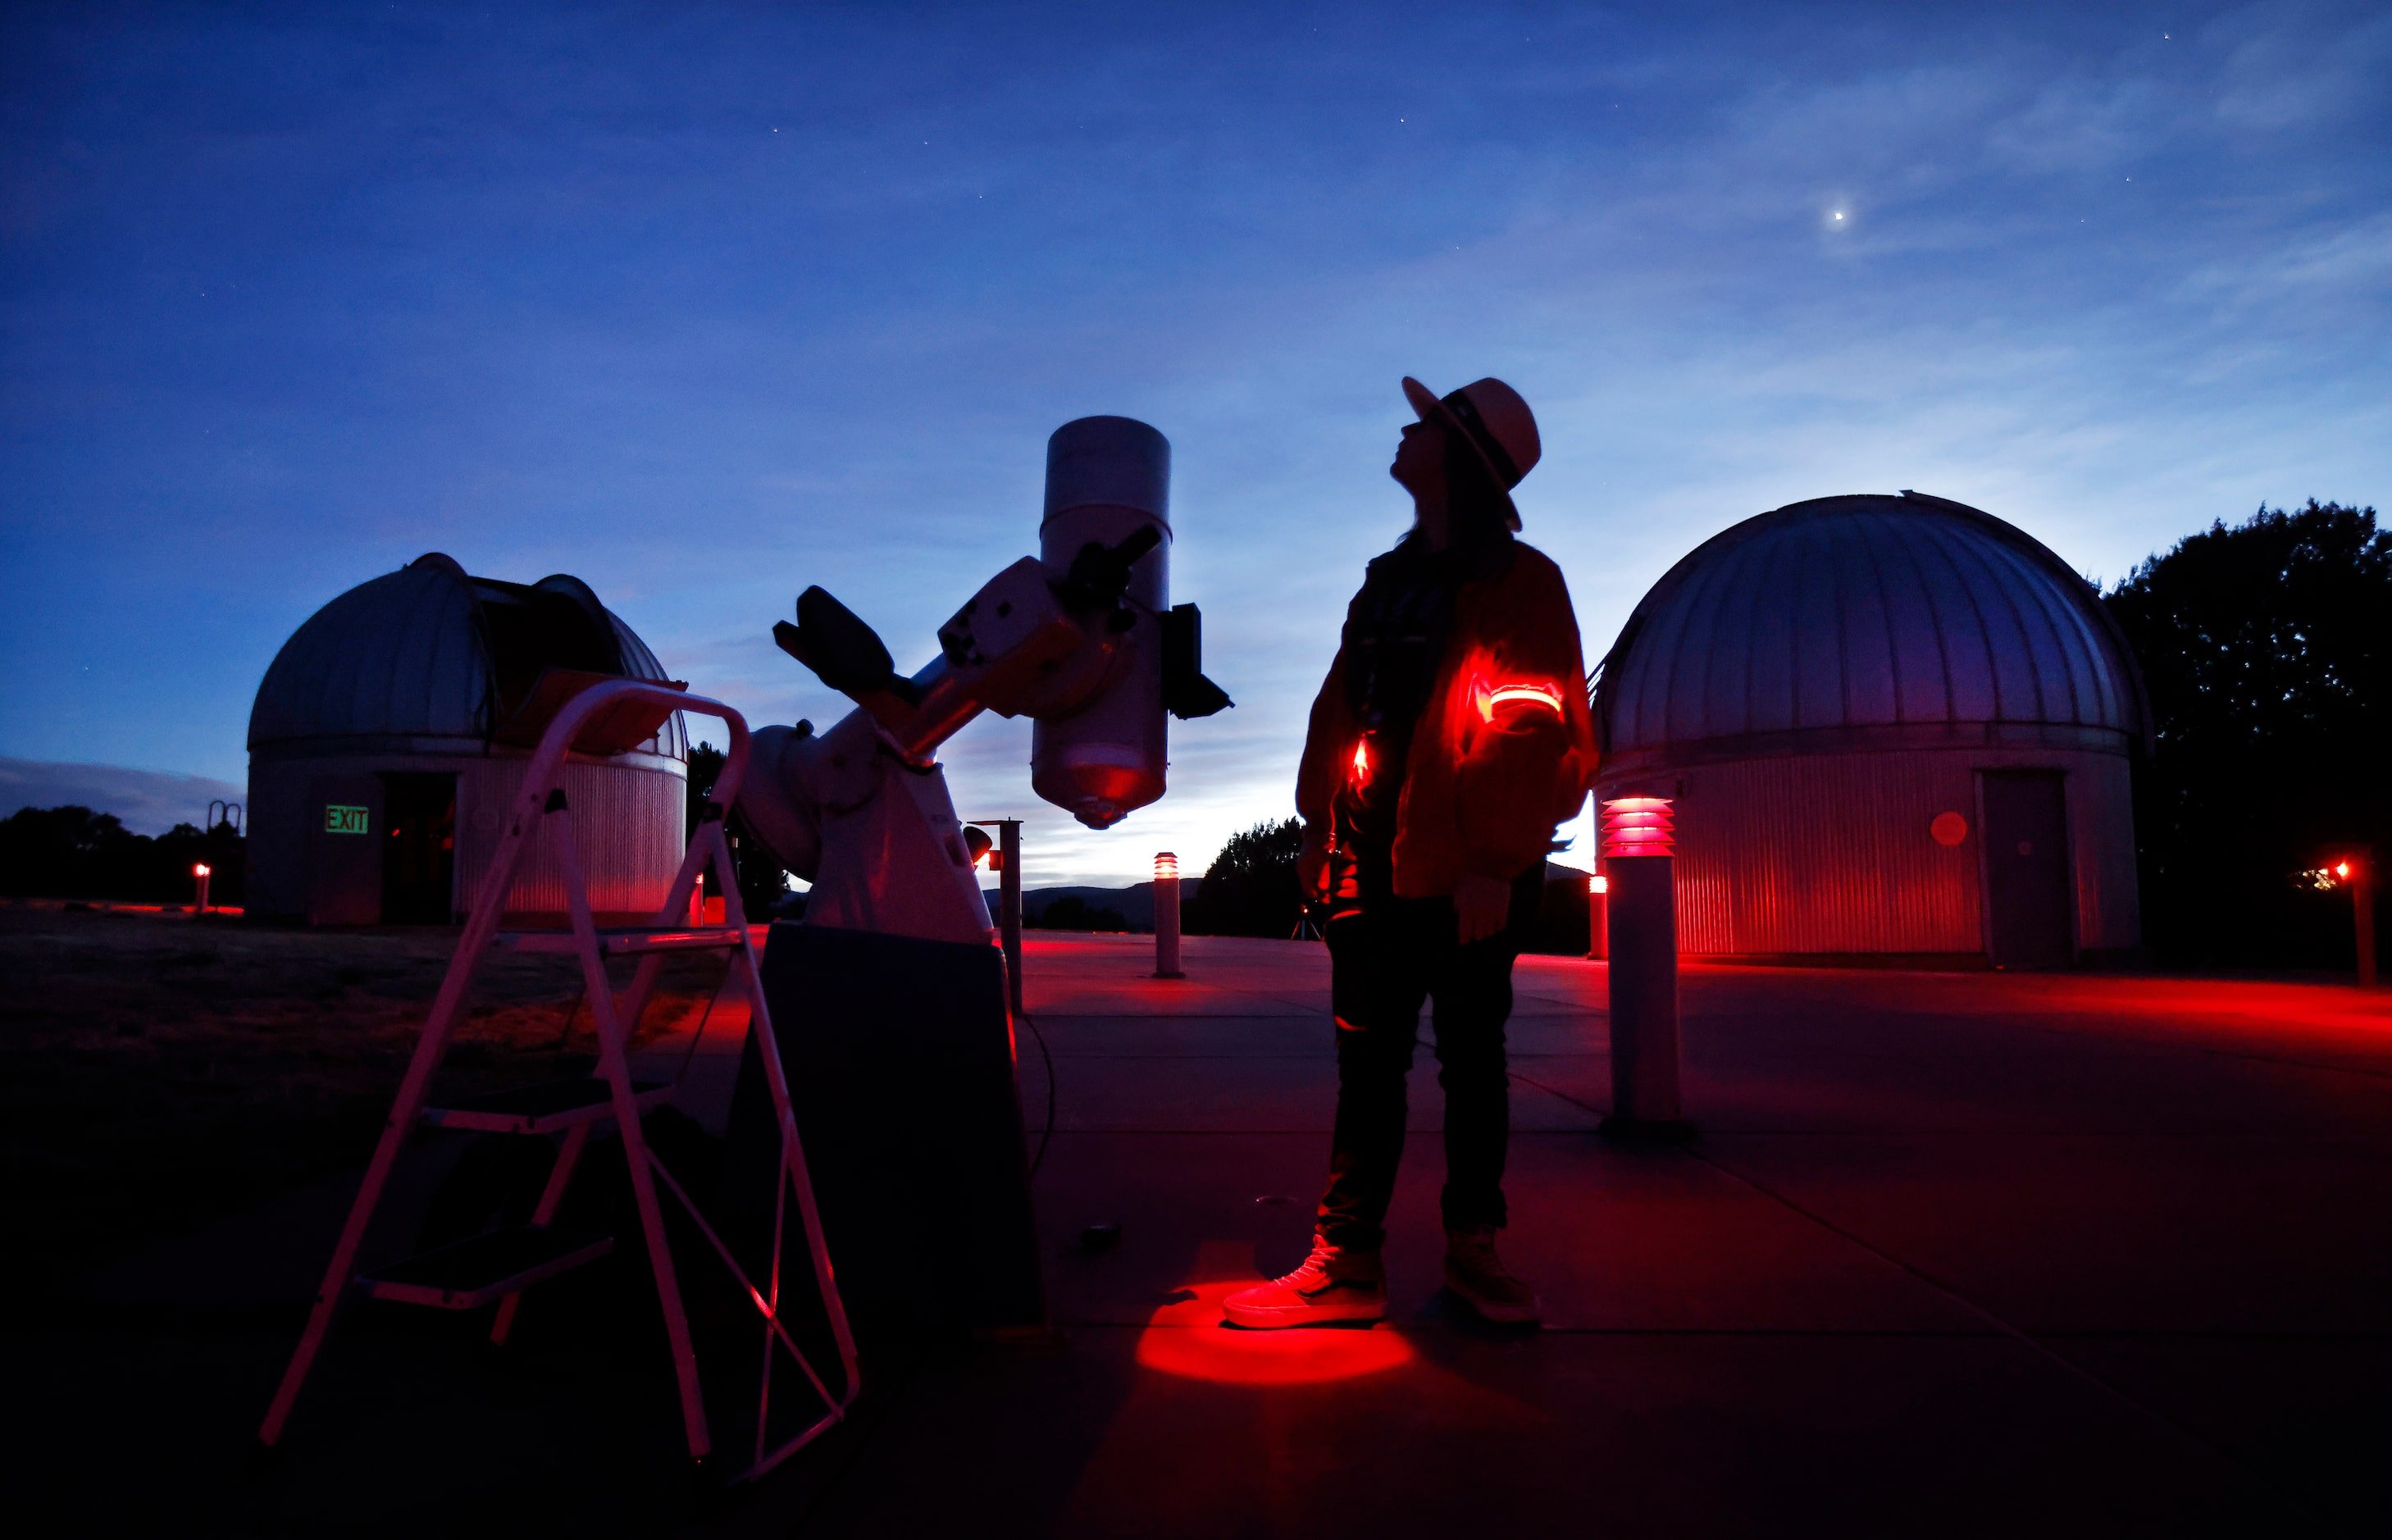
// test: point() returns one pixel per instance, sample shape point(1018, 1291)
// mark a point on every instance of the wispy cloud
point(146, 801)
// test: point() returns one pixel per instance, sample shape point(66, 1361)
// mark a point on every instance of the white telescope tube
point(1108, 478)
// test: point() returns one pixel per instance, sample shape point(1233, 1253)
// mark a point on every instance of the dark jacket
point(1505, 749)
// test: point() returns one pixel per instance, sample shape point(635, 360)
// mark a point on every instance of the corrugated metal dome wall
point(1864, 612)
point(1817, 684)
point(406, 655)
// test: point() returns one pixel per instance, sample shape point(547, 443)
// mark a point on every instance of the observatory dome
point(1891, 725)
point(1890, 620)
point(391, 732)
point(429, 652)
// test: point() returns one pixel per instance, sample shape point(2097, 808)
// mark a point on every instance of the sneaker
point(1474, 1271)
point(1337, 1282)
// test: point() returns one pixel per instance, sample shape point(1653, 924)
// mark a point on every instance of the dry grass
point(159, 1072)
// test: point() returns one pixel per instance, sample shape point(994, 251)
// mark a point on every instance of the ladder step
point(473, 1271)
point(629, 941)
point(544, 1108)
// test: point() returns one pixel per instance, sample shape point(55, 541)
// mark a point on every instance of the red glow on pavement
point(1188, 1338)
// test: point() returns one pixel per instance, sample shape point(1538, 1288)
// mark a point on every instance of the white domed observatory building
point(1893, 727)
point(393, 729)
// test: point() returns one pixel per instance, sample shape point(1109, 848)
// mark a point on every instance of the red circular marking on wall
point(1949, 828)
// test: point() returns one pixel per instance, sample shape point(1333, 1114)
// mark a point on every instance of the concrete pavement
point(1955, 1254)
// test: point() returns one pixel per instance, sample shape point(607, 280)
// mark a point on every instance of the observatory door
point(419, 848)
point(344, 822)
point(2030, 909)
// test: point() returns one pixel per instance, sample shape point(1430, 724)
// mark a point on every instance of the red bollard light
point(200, 875)
point(1641, 913)
point(2359, 872)
point(1004, 859)
point(1166, 917)
point(1598, 901)
point(1639, 826)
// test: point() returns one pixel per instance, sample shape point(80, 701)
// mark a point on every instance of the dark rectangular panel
point(419, 847)
point(900, 1061)
point(344, 835)
point(2030, 912)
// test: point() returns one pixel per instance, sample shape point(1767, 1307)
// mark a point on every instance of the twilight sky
point(706, 303)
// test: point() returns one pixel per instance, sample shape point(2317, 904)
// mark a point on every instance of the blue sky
point(704, 304)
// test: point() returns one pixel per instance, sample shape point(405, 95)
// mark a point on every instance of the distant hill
point(1135, 903)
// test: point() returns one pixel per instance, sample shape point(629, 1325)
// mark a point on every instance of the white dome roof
point(430, 653)
point(1860, 622)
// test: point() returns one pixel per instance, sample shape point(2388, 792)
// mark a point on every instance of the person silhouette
point(1450, 738)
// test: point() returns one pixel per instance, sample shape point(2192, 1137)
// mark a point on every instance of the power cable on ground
point(1048, 1059)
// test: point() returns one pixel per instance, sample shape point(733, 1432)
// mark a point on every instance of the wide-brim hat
point(1491, 418)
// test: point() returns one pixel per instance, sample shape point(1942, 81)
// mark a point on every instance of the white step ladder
point(500, 1265)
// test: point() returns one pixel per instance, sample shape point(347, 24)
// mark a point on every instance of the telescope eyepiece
point(846, 653)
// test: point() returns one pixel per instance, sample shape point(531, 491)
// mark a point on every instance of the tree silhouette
point(761, 879)
point(74, 853)
point(1072, 912)
point(1250, 887)
point(2268, 651)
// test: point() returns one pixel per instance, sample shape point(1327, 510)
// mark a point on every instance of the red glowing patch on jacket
point(1489, 696)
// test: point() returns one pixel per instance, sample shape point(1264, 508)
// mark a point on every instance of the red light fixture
point(1598, 884)
point(198, 869)
point(2357, 872)
point(1361, 760)
point(1492, 695)
point(1638, 825)
point(1167, 916)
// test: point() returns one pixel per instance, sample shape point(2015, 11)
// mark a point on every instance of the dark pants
point(1385, 959)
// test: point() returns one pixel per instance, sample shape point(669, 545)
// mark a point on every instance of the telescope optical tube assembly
point(1107, 480)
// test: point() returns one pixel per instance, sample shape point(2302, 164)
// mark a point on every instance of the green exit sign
point(339, 819)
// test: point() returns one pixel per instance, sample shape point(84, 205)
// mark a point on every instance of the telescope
point(1081, 638)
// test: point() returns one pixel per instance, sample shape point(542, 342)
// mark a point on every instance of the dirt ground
point(160, 1071)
